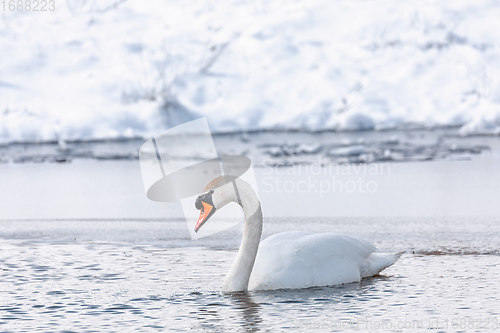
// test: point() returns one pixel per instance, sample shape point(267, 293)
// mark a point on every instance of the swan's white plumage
point(291, 260)
point(300, 259)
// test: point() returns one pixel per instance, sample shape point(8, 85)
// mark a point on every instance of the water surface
point(145, 275)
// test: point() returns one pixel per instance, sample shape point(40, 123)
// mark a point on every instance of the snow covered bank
point(108, 69)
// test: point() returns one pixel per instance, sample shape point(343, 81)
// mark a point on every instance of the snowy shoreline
point(125, 69)
point(282, 148)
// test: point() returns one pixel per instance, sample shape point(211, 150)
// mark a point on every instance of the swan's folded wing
point(304, 259)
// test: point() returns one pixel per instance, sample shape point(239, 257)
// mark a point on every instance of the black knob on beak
point(207, 197)
point(197, 203)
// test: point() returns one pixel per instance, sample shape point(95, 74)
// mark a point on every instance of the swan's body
point(299, 259)
point(293, 259)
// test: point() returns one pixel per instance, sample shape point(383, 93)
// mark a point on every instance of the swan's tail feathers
point(377, 262)
point(398, 255)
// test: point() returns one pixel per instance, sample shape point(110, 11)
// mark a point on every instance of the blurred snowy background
point(128, 69)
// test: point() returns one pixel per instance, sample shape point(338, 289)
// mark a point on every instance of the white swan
point(288, 260)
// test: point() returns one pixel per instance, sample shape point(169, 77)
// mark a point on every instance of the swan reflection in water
point(249, 311)
point(220, 316)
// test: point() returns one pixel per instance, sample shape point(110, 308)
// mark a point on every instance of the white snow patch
point(117, 69)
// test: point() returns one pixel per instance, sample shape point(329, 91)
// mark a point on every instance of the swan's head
point(218, 193)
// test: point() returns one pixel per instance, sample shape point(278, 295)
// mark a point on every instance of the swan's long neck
point(239, 274)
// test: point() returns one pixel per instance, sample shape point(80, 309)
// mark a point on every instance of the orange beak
point(205, 214)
